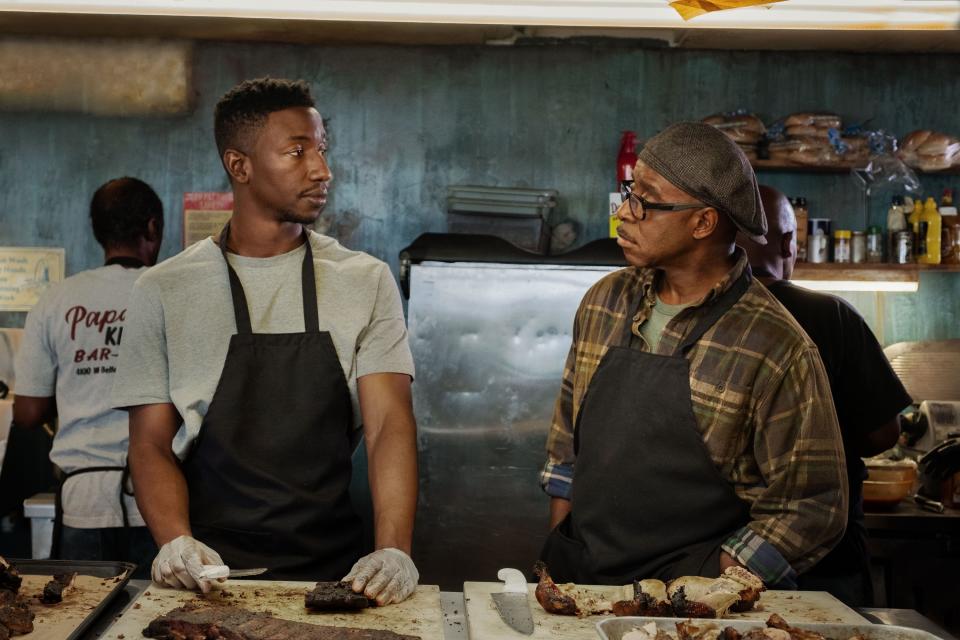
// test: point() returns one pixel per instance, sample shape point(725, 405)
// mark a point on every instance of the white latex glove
point(388, 575)
point(182, 564)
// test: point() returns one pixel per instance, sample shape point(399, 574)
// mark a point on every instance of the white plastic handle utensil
point(514, 580)
point(215, 572)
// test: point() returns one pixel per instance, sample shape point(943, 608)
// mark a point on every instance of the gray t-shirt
point(70, 350)
point(181, 319)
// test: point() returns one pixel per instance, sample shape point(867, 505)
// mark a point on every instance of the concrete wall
point(406, 122)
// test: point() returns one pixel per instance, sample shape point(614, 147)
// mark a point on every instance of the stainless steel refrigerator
point(490, 328)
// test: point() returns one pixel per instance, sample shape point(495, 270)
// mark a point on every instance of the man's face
point(289, 175)
point(663, 235)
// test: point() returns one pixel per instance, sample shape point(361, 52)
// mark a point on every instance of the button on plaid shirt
point(762, 403)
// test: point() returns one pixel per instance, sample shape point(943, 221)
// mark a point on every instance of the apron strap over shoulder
point(240, 309)
point(726, 300)
point(308, 281)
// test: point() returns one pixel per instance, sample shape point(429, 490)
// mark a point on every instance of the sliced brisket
point(336, 596)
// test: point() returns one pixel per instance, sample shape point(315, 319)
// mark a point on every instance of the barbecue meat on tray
point(336, 596)
point(15, 617)
point(234, 623)
point(687, 597)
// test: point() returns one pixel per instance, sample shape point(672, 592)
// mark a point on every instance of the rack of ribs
point(234, 623)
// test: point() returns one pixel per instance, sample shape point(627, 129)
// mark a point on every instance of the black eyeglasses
point(639, 206)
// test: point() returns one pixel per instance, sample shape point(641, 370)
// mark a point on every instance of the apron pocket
point(564, 555)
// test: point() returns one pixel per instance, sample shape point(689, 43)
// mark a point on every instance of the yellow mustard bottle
point(913, 222)
point(929, 228)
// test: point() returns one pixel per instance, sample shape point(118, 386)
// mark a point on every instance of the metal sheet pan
point(615, 628)
point(97, 569)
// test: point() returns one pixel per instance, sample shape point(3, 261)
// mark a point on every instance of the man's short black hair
point(121, 211)
point(244, 109)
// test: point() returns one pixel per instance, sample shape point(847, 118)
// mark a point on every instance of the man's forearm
point(160, 490)
point(392, 457)
point(559, 508)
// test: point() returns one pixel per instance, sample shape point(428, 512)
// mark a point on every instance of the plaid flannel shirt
point(762, 403)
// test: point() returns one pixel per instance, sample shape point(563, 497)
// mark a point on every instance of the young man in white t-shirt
point(259, 354)
point(65, 368)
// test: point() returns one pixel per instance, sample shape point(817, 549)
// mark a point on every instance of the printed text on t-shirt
point(106, 323)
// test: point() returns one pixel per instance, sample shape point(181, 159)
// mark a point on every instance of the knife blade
point(216, 572)
point(512, 603)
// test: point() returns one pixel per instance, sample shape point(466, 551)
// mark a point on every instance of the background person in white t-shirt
point(258, 357)
point(65, 368)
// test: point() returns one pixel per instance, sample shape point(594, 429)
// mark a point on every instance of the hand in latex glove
point(388, 575)
point(181, 563)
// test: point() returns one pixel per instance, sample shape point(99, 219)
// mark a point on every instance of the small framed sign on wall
point(25, 273)
point(204, 214)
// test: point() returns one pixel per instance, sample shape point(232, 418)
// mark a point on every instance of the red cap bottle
point(627, 157)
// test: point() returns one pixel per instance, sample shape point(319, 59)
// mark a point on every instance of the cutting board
point(484, 622)
point(418, 615)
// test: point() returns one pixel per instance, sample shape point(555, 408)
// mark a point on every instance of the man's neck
point(255, 237)
point(124, 252)
point(685, 284)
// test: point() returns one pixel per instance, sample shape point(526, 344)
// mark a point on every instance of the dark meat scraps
point(9, 576)
point(549, 595)
point(234, 623)
point(336, 596)
point(53, 591)
point(684, 608)
point(17, 618)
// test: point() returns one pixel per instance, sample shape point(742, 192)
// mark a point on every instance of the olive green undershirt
point(661, 314)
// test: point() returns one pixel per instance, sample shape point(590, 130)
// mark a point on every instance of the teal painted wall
point(406, 122)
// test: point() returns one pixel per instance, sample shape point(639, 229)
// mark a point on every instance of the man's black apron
point(269, 472)
point(648, 501)
point(127, 262)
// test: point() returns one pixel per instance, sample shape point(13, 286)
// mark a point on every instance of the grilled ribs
point(53, 591)
point(9, 576)
point(15, 617)
point(234, 623)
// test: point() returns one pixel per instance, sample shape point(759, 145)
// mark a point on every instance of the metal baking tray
point(616, 628)
point(97, 569)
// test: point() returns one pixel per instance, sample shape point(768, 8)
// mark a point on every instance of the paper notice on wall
point(692, 8)
point(25, 273)
point(204, 214)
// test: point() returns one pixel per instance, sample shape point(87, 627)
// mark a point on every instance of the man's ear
point(237, 165)
point(154, 229)
point(786, 245)
point(707, 221)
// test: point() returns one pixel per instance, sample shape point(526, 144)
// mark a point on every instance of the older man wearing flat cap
point(695, 428)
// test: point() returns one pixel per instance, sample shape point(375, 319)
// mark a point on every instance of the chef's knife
point(512, 603)
point(215, 572)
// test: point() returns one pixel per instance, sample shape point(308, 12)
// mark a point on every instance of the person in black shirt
point(866, 392)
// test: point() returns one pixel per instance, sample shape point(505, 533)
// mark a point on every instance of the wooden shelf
point(882, 272)
point(773, 165)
